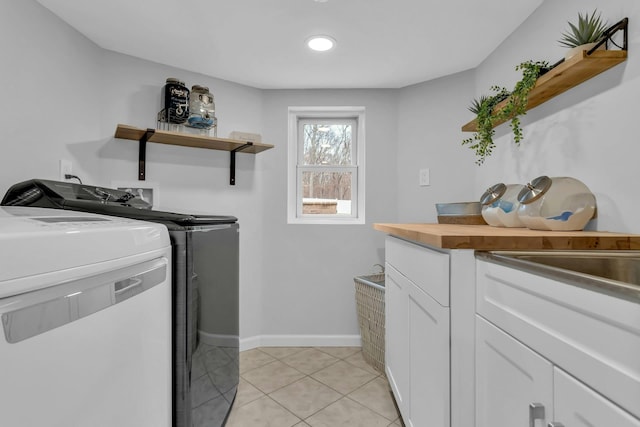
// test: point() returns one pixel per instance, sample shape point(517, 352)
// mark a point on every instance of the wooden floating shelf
point(186, 140)
point(568, 74)
point(189, 140)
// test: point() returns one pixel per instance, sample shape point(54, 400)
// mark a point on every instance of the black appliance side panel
point(182, 269)
point(215, 366)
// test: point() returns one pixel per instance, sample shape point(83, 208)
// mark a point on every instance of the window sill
point(326, 221)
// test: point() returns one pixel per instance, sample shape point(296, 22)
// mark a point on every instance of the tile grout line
point(305, 376)
point(342, 395)
point(286, 409)
point(366, 406)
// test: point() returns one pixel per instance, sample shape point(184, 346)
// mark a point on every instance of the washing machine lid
point(34, 241)
point(107, 201)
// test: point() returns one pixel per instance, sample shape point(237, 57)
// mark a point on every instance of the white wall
point(50, 91)
point(588, 132)
point(309, 269)
point(430, 115)
point(190, 179)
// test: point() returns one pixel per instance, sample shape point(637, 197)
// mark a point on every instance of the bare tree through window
point(327, 145)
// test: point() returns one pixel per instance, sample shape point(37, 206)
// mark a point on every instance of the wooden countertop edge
point(483, 237)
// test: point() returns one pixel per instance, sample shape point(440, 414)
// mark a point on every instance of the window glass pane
point(326, 193)
point(327, 144)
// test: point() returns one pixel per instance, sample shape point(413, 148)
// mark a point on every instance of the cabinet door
point(397, 336)
point(509, 378)
point(576, 405)
point(429, 402)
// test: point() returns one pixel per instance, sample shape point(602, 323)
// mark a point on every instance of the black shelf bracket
point(232, 166)
point(142, 152)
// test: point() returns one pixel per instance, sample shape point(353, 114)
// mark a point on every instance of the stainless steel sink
point(612, 272)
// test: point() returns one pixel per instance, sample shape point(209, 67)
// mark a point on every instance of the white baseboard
point(249, 343)
point(300, 341)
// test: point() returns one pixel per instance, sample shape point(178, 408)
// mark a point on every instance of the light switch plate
point(424, 177)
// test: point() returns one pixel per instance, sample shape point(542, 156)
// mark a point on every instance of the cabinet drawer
point(593, 336)
point(426, 268)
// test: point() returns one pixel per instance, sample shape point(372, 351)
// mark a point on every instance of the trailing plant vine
point(517, 103)
point(482, 141)
point(514, 106)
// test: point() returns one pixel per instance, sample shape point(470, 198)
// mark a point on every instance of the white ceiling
point(260, 43)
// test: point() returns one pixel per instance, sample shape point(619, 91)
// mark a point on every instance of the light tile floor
point(311, 386)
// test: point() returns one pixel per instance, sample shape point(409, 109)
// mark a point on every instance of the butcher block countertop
point(487, 238)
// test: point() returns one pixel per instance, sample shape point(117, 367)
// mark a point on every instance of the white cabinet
point(417, 333)
point(428, 361)
point(570, 349)
point(576, 405)
point(515, 386)
point(509, 378)
point(397, 336)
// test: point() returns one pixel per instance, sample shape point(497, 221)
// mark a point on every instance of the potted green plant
point(584, 35)
point(482, 140)
point(515, 105)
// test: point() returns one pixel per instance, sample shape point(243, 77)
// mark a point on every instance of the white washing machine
point(86, 320)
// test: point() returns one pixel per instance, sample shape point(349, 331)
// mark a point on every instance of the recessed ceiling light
point(321, 43)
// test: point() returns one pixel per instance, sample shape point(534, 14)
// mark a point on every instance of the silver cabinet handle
point(555, 424)
point(536, 412)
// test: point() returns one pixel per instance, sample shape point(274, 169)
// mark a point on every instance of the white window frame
point(295, 168)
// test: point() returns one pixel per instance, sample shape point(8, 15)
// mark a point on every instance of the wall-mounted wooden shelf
point(563, 77)
point(186, 140)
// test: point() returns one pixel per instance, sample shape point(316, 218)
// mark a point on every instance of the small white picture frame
point(147, 190)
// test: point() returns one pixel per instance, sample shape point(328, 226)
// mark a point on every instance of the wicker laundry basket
point(370, 307)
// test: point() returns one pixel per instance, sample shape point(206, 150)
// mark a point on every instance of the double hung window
point(326, 165)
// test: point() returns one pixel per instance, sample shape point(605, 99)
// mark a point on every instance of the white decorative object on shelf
point(245, 136)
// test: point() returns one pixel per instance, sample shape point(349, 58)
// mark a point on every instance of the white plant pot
point(578, 49)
